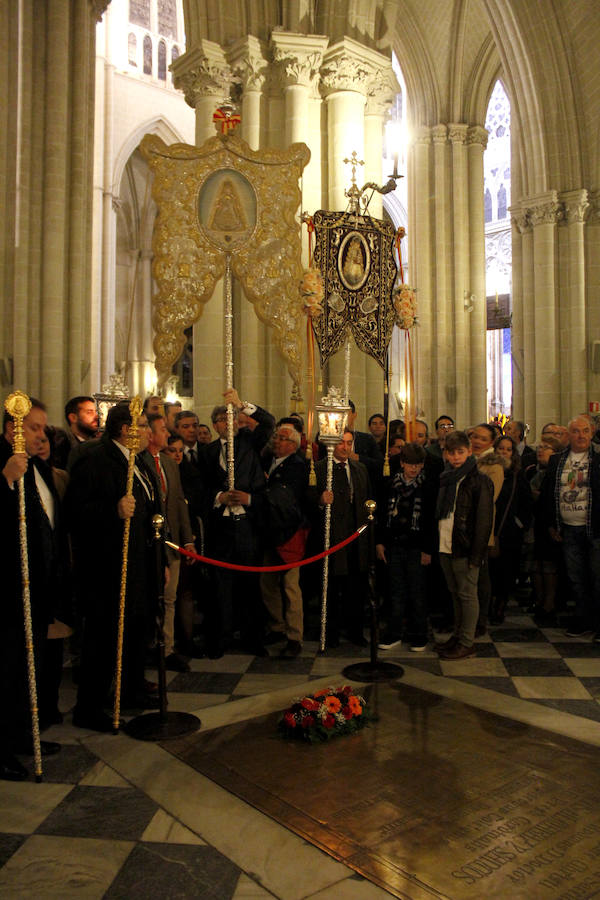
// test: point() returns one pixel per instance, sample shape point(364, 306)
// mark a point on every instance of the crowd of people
point(463, 517)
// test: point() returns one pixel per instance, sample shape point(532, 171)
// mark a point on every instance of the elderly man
point(46, 568)
point(516, 430)
point(571, 498)
point(348, 568)
point(234, 520)
point(560, 432)
point(287, 480)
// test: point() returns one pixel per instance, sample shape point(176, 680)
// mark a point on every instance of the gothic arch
point(157, 125)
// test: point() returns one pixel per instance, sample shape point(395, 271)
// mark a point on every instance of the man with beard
point(97, 507)
point(82, 426)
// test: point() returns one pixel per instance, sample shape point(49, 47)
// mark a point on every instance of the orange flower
point(332, 704)
point(355, 706)
point(322, 693)
point(309, 703)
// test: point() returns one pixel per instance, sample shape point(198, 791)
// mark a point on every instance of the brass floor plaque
point(435, 799)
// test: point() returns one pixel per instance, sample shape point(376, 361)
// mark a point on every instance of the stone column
point(457, 134)
point(204, 76)
point(476, 143)
point(544, 213)
point(520, 227)
point(440, 320)
point(573, 349)
point(248, 62)
point(381, 93)
point(421, 261)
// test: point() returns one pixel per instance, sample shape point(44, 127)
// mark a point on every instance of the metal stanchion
point(161, 725)
point(374, 669)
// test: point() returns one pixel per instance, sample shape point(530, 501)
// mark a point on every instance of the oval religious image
point(227, 209)
point(354, 261)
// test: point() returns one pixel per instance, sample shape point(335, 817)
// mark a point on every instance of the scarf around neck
point(448, 483)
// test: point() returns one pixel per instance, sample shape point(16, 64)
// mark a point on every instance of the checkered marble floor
point(87, 831)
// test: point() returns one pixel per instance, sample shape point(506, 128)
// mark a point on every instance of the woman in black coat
point(514, 508)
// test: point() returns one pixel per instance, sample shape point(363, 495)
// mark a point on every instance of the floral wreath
point(325, 714)
point(312, 291)
point(404, 300)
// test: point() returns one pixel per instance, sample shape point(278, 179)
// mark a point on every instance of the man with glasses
point(287, 480)
point(234, 520)
point(444, 425)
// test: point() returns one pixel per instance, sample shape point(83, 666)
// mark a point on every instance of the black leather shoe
point(11, 769)
point(93, 721)
point(48, 748)
point(291, 650)
point(176, 663)
point(274, 637)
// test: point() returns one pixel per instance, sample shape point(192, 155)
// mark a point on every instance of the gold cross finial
point(354, 161)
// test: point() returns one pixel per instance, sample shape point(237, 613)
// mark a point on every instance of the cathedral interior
point(479, 776)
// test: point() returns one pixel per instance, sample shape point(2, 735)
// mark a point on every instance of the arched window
point(487, 203)
point(147, 55)
point(162, 60)
point(132, 50)
point(174, 53)
point(501, 202)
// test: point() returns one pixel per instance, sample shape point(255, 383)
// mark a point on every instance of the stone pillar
point(247, 59)
point(520, 226)
point(440, 320)
point(457, 134)
point(592, 274)
point(381, 93)
point(544, 212)
point(573, 349)
point(421, 262)
point(204, 76)
point(476, 143)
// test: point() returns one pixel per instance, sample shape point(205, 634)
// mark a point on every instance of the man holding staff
point(42, 548)
point(97, 506)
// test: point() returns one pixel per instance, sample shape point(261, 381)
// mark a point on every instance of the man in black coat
point(348, 568)
point(287, 481)
point(97, 507)
point(365, 448)
point(46, 570)
point(234, 520)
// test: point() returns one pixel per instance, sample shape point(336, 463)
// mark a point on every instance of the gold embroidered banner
point(355, 256)
point(217, 199)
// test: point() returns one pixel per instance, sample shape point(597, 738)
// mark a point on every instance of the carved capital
point(439, 134)
point(297, 57)
point(593, 212)
point(382, 89)
point(350, 66)
point(576, 204)
point(457, 133)
point(476, 134)
point(520, 219)
point(544, 209)
point(248, 63)
point(422, 134)
point(98, 8)
point(203, 71)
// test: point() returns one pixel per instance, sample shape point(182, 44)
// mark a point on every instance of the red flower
point(289, 719)
point(347, 690)
point(329, 721)
point(309, 703)
point(347, 712)
point(308, 721)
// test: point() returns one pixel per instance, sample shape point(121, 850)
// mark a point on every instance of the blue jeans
point(582, 562)
point(407, 591)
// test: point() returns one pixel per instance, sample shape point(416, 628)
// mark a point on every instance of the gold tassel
point(312, 477)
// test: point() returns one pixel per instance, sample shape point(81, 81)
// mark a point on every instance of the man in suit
point(46, 570)
point(97, 507)
point(234, 520)
point(348, 568)
point(177, 527)
point(365, 448)
point(287, 480)
point(186, 426)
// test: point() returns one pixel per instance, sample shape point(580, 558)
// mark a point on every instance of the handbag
point(494, 550)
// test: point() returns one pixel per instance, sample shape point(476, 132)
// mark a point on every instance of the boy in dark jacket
point(465, 509)
point(405, 542)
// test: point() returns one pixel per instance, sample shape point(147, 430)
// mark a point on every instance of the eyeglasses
point(446, 427)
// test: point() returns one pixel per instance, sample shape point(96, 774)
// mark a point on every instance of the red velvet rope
point(281, 568)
